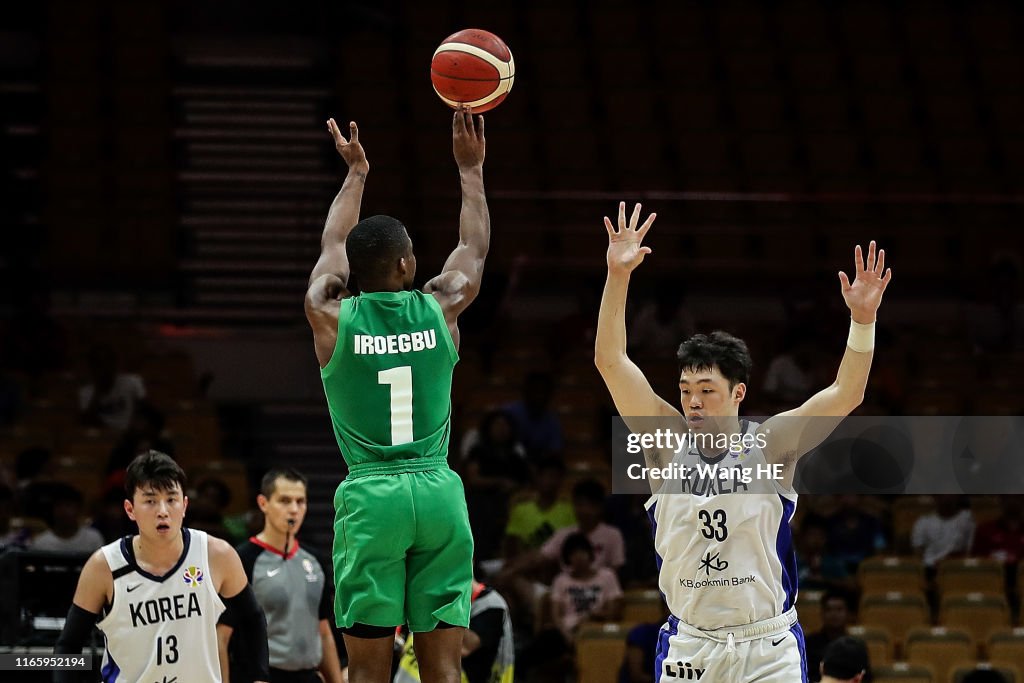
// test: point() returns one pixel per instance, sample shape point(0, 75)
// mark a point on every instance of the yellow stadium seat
point(643, 606)
point(1006, 645)
point(600, 649)
point(1009, 671)
point(902, 672)
point(939, 647)
point(892, 573)
point(233, 474)
point(808, 608)
point(898, 612)
point(971, 575)
point(878, 640)
point(976, 612)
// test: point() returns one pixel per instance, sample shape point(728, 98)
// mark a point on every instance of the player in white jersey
point(160, 592)
point(727, 562)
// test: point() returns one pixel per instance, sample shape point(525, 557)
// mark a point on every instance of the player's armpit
point(790, 435)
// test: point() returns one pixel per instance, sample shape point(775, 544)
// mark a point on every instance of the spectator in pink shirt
point(609, 548)
point(583, 591)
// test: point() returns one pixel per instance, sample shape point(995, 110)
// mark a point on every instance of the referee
point(291, 586)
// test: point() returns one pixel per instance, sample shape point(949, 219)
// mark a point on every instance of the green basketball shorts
point(403, 549)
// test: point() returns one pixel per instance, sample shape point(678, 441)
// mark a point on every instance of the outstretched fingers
point(858, 260)
point(880, 266)
point(353, 131)
point(635, 216)
point(646, 225)
point(609, 227)
point(622, 216)
point(339, 139)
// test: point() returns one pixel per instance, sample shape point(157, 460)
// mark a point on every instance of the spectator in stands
point(66, 532)
point(641, 649)
point(835, 618)
point(537, 426)
point(534, 520)
point(36, 488)
point(629, 515)
point(488, 648)
point(109, 399)
point(495, 467)
point(844, 661)
point(1003, 538)
point(10, 537)
point(144, 433)
point(853, 534)
point(608, 546)
point(206, 508)
point(583, 591)
point(817, 568)
point(660, 323)
point(946, 532)
point(789, 377)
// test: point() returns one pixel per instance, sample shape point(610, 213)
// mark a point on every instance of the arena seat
point(939, 647)
point(976, 612)
point(600, 649)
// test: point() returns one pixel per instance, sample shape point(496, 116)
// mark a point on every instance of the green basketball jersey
point(389, 382)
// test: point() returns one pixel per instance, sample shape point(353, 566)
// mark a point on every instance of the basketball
point(472, 67)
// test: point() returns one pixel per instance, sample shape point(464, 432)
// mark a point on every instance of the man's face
point(834, 614)
point(158, 512)
point(287, 502)
point(705, 395)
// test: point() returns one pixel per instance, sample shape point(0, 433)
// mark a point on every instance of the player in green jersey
point(402, 543)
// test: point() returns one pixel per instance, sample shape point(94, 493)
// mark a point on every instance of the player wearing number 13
point(402, 543)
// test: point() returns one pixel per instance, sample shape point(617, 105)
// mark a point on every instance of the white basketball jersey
point(724, 548)
point(162, 629)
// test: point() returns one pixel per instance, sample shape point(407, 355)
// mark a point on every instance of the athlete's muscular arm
point(630, 390)
point(328, 283)
point(459, 282)
point(330, 665)
point(233, 586)
point(95, 589)
point(344, 211)
point(788, 435)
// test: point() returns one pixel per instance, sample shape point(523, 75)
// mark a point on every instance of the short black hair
point(574, 542)
point(589, 490)
point(718, 349)
point(845, 657)
point(373, 247)
point(269, 483)
point(156, 469)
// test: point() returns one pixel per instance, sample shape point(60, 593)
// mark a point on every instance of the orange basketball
point(472, 67)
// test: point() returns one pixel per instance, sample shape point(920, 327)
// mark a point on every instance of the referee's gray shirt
point(294, 593)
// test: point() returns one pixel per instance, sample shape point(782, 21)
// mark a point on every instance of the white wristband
point(862, 337)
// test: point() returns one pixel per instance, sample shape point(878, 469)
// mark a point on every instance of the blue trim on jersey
point(654, 535)
point(662, 650)
point(786, 552)
point(110, 670)
point(798, 634)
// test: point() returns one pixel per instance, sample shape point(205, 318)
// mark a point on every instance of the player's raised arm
point(344, 211)
point(459, 281)
point(790, 437)
point(630, 390)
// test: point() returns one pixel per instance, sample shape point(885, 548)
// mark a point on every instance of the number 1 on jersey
point(400, 380)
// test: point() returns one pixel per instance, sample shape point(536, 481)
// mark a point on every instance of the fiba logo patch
point(193, 576)
point(311, 576)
